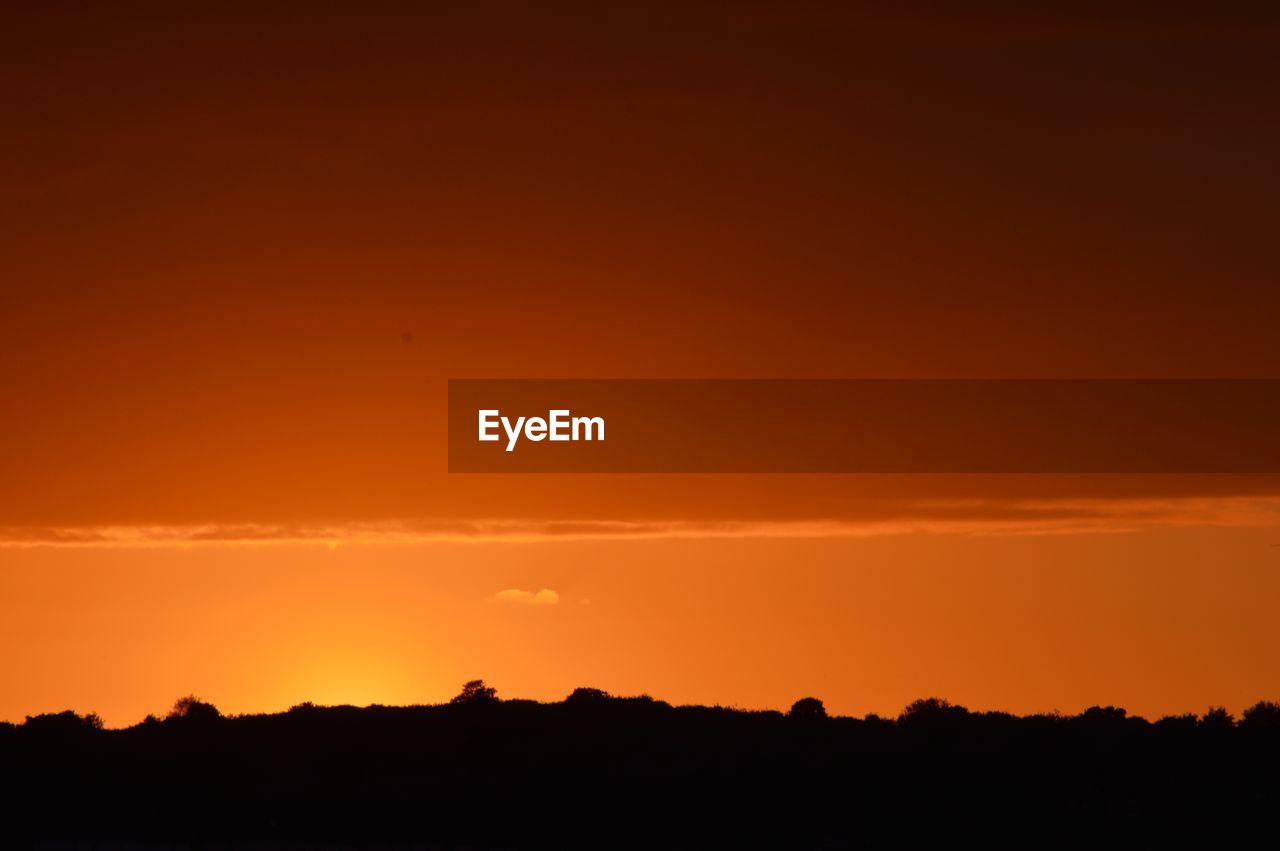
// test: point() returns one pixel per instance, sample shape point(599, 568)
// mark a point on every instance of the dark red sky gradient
point(219, 225)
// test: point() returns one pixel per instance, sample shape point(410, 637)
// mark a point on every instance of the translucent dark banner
point(864, 426)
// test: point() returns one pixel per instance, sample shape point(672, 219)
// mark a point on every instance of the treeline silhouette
point(598, 771)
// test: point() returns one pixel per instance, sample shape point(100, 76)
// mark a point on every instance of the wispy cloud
point(543, 597)
point(971, 517)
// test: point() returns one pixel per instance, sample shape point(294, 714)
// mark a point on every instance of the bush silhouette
point(581, 696)
point(66, 722)
point(1104, 716)
point(931, 710)
point(1217, 718)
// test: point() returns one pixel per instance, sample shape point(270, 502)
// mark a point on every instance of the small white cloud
point(544, 597)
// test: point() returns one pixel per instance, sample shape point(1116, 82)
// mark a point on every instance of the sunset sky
point(244, 250)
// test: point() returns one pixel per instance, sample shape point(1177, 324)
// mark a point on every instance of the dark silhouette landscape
point(598, 771)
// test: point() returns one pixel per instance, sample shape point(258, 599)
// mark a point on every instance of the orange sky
point(243, 250)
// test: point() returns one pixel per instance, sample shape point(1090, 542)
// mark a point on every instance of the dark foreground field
point(600, 772)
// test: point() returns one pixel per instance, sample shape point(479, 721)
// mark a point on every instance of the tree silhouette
point(192, 708)
point(491, 769)
point(475, 691)
point(1263, 715)
point(807, 707)
point(1217, 718)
